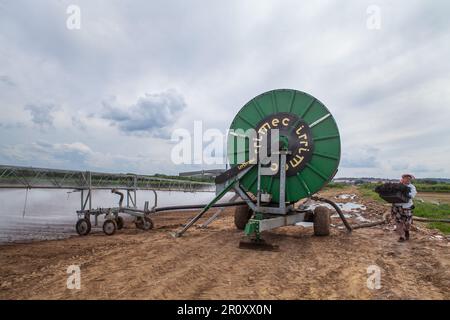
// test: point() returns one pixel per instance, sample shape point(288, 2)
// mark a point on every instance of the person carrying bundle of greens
point(402, 212)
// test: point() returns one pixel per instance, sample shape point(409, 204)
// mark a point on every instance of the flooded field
point(51, 214)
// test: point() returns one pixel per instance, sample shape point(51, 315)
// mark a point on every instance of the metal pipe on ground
point(377, 223)
point(430, 220)
point(368, 225)
point(193, 206)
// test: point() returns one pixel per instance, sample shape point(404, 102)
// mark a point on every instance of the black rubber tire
point(120, 222)
point(109, 227)
point(322, 221)
point(144, 224)
point(83, 227)
point(241, 216)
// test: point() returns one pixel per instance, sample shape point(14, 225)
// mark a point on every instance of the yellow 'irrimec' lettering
point(275, 122)
point(264, 128)
point(296, 161)
point(302, 149)
point(299, 130)
point(285, 122)
point(244, 164)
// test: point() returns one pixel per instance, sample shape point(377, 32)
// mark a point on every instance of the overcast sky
point(107, 96)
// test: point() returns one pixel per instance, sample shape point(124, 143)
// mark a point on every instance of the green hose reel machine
point(308, 147)
point(314, 151)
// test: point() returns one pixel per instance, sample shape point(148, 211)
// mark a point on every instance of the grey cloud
point(41, 114)
point(43, 153)
point(414, 168)
point(421, 169)
point(378, 84)
point(78, 123)
point(359, 162)
point(14, 125)
point(153, 114)
point(365, 157)
point(7, 81)
point(76, 155)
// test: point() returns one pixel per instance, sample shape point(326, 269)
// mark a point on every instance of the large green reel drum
point(307, 129)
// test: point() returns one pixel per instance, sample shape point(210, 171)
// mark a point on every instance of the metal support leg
point(134, 191)
point(218, 212)
point(244, 196)
point(201, 213)
point(258, 191)
point(90, 190)
point(283, 180)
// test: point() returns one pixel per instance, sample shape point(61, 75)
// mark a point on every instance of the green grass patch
point(336, 185)
point(423, 209)
point(441, 226)
point(434, 211)
point(368, 191)
point(420, 186)
point(427, 187)
point(431, 210)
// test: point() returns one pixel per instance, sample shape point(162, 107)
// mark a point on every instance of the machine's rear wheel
point(241, 216)
point(83, 227)
point(322, 221)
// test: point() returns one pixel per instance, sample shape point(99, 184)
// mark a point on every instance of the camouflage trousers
point(403, 220)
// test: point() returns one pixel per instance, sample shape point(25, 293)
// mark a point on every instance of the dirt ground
point(207, 264)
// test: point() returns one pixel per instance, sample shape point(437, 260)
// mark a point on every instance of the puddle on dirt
point(349, 209)
point(305, 224)
point(345, 207)
point(346, 196)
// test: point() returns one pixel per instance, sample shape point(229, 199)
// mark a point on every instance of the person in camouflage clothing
point(403, 212)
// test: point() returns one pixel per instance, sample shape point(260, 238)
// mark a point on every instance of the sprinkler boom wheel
point(109, 227)
point(83, 226)
point(144, 223)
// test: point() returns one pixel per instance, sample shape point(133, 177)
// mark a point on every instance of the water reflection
point(50, 214)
